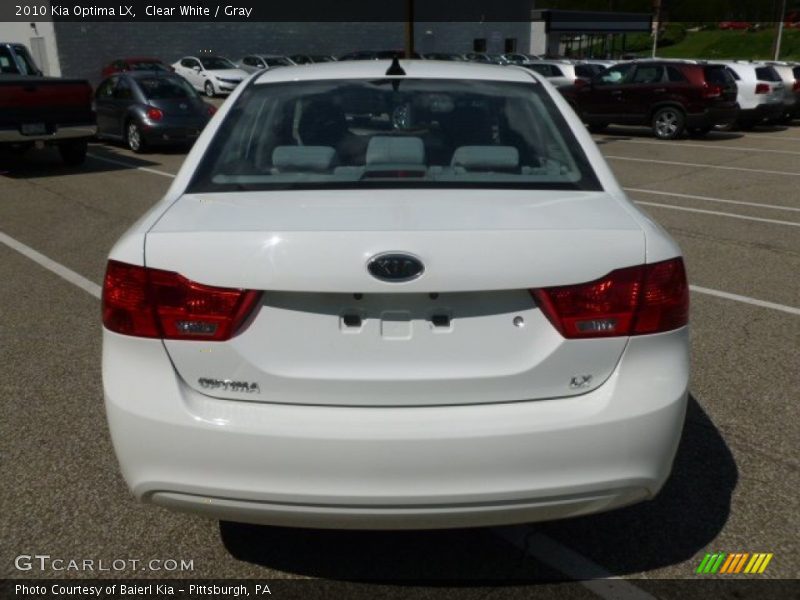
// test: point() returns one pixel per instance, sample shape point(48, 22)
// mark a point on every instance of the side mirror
point(196, 69)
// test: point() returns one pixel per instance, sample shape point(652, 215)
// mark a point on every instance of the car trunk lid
point(328, 332)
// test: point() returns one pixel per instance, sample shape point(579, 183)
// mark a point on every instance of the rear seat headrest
point(386, 150)
point(484, 158)
point(303, 158)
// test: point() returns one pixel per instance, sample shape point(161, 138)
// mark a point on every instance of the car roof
point(376, 69)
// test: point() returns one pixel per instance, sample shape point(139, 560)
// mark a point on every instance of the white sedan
point(211, 75)
point(395, 295)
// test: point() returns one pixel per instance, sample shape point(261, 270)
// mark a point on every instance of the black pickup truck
point(43, 110)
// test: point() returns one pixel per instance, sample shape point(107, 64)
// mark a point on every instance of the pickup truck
point(37, 110)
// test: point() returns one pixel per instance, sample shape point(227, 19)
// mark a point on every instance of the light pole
point(656, 26)
point(779, 36)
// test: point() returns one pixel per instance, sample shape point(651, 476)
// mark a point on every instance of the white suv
point(760, 92)
point(449, 315)
point(790, 75)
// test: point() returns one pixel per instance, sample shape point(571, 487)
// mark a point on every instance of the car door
point(603, 97)
point(645, 88)
point(192, 70)
point(123, 97)
point(104, 106)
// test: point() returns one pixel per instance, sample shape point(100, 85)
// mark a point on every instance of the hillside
point(744, 45)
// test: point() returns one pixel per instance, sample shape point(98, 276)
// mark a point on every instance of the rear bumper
point(763, 112)
point(165, 134)
point(67, 132)
point(391, 468)
point(713, 116)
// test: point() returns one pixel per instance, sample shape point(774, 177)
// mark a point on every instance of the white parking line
point(692, 145)
point(131, 166)
point(709, 199)
point(588, 574)
point(51, 265)
point(720, 214)
point(746, 299)
point(698, 165)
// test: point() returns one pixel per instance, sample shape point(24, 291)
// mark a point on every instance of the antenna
point(395, 68)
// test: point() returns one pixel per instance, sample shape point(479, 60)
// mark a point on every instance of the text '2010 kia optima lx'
point(395, 295)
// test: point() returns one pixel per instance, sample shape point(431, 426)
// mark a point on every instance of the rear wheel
point(73, 152)
point(133, 137)
point(668, 123)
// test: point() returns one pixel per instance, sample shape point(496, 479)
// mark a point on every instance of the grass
point(743, 45)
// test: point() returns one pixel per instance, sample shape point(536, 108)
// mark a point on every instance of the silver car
point(258, 62)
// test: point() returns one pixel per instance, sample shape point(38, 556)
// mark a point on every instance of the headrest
point(303, 158)
point(485, 158)
point(387, 150)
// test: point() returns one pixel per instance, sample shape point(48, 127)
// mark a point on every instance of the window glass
point(767, 74)
point(163, 88)
point(674, 75)
point(213, 63)
point(394, 132)
point(615, 75)
point(106, 89)
point(123, 90)
point(648, 74)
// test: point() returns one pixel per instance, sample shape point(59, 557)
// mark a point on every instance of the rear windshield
point(719, 75)
point(148, 66)
point(163, 88)
point(394, 133)
point(767, 74)
point(796, 72)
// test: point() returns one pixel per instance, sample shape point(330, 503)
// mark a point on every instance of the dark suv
point(669, 96)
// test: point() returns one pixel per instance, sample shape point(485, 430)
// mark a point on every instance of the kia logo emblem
point(395, 267)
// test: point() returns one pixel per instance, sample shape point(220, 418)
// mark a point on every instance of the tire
point(208, 88)
point(668, 123)
point(598, 127)
point(133, 137)
point(698, 132)
point(73, 152)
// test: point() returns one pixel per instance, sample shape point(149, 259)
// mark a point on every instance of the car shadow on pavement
point(684, 518)
point(614, 134)
point(46, 162)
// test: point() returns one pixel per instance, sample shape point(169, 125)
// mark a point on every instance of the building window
point(511, 45)
point(479, 44)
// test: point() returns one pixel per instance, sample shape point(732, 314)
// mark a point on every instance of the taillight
point(762, 88)
point(712, 91)
point(153, 303)
point(796, 86)
point(633, 301)
point(211, 110)
point(155, 114)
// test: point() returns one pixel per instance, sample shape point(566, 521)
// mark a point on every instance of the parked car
point(791, 90)
point(518, 59)
point(451, 317)
point(564, 72)
point(377, 55)
point(210, 74)
point(307, 59)
point(42, 110)
point(146, 108)
point(322, 58)
point(134, 64)
point(257, 62)
point(444, 56)
point(760, 93)
point(672, 97)
point(483, 57)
